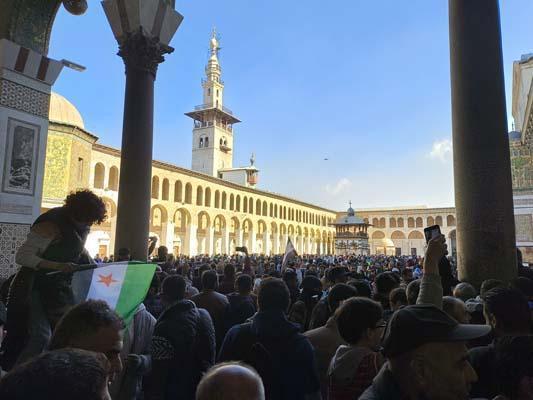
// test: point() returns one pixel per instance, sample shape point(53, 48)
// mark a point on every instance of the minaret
point(212, 143)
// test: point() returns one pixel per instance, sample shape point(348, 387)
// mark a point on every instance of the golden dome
point(63, 111)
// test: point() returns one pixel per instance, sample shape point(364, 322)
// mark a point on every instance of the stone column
point(191, 241)
point(483, 186)
point(143, 31)
point(210, 241)
point(226, 241)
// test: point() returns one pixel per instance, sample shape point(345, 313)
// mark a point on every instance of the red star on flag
point(106, 279)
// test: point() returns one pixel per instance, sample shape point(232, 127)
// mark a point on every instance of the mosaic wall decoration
point(22, 151)
point(23, 98)
point(11, 238)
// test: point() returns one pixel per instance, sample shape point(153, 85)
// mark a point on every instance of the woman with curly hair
point(56, 242)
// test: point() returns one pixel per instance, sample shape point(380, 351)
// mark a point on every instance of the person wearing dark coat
point(241, 304)
point(183, 345)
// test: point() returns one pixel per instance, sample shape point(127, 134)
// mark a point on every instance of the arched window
point(410, 222)
point(113, 178)
point(430, 221)
point(188, 193)
point(400, 222)
point(271, 214)
point(245, 204)
point(450, 220)
point(419, 222)
point(382, 222)
point(375, 222)
point(155, 187)
point(221, 142)
point(178, 192)
point(99, 176)
point(217, 199)
point(238, 203)
point(392, 222)
point(265, 209)
point(438, 220)
point(258, 207)
point(251, 205)
point(199, 196)
point(201, 144)
point(164, 194)
point(223, 200)
point(207, 197)
point(206, 142)
point(231, 202)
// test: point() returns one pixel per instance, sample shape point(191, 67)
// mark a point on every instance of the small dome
point(515, 136)
point(63, 111)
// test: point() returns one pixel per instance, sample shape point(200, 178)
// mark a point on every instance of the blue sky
point(363, 83)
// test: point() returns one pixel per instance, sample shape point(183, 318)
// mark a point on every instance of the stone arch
point(203, 221)
point(251, 205)
point(238, 203)
point(273, 228)
point(224, 200)
point(378, 235)
point(217, 198)
point(400, 222)
point(438, 220)
point(111, 212)
point(450, 220)
point(245, 204)
point(392, 222)
point(271, 210)
point(419, 222)
point(290, 230)
point(219, 224)
point(366, 221)
point(410, 222)
point(415, 235)
point(235, 225)
point(178, 192)
point(231, 202)
point(165, 189)
point(188, 193)
point(99, 176)
point(158, 216)
point(430, 221)
point(258, 207)
point(182, 219)
point(261, 227)
point(113, 178)
point(397, 235)
point(207, 201)
point(375, 222)
point(265, 209)
point(382, 222)
point(199, 196)
point(155, 187)
point(282, 229)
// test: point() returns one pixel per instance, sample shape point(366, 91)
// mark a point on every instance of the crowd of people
point(251, 327)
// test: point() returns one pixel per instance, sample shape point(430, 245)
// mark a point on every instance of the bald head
point(231, 381)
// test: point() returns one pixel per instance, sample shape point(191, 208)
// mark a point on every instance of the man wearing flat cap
point(427, 354)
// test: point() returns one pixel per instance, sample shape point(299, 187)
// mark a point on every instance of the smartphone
point(431, 231)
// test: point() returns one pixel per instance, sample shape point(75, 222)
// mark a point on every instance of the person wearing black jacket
point(183, 345)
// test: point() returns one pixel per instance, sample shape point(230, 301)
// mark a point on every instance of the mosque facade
point(214, 206)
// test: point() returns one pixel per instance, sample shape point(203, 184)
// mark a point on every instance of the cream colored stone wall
point(211, 216)
point(403, 229)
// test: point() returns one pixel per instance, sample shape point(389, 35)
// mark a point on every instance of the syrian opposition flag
point(290, 253)
point(122, 285)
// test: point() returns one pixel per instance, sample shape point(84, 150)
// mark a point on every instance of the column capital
point(142, 53)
